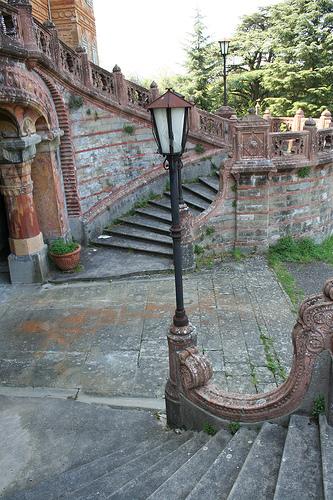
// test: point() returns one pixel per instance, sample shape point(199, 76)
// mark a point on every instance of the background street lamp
point(170, 126)
point(224, 47)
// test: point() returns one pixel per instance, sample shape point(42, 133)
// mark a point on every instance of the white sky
point(146, 37)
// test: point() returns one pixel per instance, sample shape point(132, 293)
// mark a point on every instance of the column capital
point(18, 149)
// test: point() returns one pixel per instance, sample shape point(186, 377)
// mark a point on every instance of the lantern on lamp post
point(224, 47)
point(170, 127)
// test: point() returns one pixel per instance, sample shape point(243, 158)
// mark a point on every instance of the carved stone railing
point(102, 80)
point(9, 25)
point(190, 371)
point(43, 39)
point(70, 62)
point(213, 125)
point(137, 95)
point(39, 44)
point(287, 144)
point(325, 140)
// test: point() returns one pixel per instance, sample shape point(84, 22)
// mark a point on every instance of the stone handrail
point(39, 43)
point(9, 25)
point(214, 125)
point(137, 95)
point(325, 140)
point(102, 80)
point(287, 144)
point(312, 334)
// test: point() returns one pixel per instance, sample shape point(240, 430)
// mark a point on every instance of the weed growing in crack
point(318, 407)
point(234, 427)
point(209, 429)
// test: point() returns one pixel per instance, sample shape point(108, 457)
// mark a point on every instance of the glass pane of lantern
point(161, 120)
point(177, 117)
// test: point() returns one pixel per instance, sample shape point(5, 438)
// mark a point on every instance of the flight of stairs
point(147, 230)
point(272, 462)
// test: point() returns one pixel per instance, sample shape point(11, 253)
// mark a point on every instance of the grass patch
point(144, 202)
point(272, 362)
point(129, 129)
point(209, 230)
point(303, 250)
point(234, 427)
point(253, 376)
point(319, 407)
point(198, 249)
point(75, 102)
point(288, 282)
point(199, 148)
point(303, 172)
point(209, 429)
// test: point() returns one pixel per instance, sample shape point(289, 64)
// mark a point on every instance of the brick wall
point(254, 211)
point(117, 163)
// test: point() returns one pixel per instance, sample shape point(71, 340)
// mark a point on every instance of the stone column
point(120, 85)
point(28, 258)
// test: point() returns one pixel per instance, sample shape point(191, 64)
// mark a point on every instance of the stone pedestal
point(31, 268)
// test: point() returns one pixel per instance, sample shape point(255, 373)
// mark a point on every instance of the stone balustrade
point(41, 43)
point(10, 31)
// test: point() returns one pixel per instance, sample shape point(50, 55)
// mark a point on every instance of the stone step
point(146, 484)
point(151, 224)
point(134, 245)
point(163, 203)
point(221, 475)
point(300, 474)
point(180, 484)
point(141, 234)
point(200, 190)
point(108, 483)
point(211, 182)
point(258, 476)
point(154, 213)
point(65, 483)
point(326, 444)
point(193, 201)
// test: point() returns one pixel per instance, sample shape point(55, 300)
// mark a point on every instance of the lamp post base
point(179, 338)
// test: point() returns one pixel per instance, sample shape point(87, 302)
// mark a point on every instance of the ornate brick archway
point(30, 176)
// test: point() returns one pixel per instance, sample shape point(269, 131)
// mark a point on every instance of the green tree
point(199, 64)
point(252, 50)
point(301, 73)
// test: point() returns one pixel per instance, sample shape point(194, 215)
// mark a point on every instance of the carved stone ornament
point(312, 334)
point(18, 150)
point(26, 87)
point(195, 368)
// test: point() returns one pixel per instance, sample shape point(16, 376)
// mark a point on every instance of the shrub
point(75, 102)
point(303, 172)
point(129, 129)
point(61, 247)
point(199, 148)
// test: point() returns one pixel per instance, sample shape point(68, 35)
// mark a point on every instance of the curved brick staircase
point(271, 462)
point(148, 228)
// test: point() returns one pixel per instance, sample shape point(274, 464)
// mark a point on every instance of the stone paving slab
point(109, 338)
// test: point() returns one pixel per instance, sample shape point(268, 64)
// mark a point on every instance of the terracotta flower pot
point(67, 261)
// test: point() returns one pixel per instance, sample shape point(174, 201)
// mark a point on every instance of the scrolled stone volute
point(195, 369)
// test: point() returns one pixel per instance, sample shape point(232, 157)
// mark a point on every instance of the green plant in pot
point(65, 254)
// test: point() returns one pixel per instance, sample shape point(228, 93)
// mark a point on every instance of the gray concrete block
point(28, 269)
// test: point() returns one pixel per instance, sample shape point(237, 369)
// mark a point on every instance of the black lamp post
point(170, 126)
point(224, 47)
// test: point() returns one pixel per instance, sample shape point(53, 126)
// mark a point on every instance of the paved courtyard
point(109, 338)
